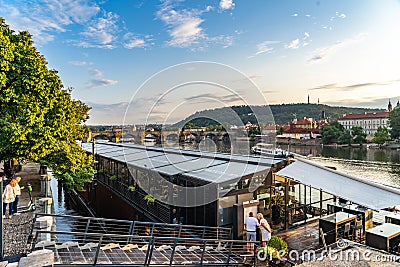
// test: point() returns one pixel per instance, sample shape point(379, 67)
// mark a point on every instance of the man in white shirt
point(251, 225)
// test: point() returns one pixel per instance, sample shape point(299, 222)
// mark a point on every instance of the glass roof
point(206, 166)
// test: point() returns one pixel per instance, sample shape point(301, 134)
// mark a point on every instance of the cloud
point(324, 53)
point(340, 15)
point(101, 32)
point(264, 47)
point(209, 8)
point(295, 15)
point(206, 97)
point(99, 80)
point(294, 44)
point(226, 4)
point(352, 87)
point(185, 27)
point(134, 41)
point(43, 19)
point(377, 102)
point(80, 63)
point(102, 114)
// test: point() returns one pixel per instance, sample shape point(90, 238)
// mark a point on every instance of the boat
point(268, 150)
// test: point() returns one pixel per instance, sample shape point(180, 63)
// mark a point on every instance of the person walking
point(251, 225)
point(8, 199)
point(265, 229)
point(17, 192)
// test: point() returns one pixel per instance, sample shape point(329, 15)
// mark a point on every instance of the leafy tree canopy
point(394, 120)
point(39, 119)
point(359, 137)
point(381, 136)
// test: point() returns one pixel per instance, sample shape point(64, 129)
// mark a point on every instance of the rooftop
point(374, 115)
point(205, 166)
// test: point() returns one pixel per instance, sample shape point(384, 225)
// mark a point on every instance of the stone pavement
point(17, 229)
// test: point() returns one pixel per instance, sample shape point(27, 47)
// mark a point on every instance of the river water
point(380, 165)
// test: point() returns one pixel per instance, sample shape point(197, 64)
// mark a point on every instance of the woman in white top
point(8, 198)
point(265, 229)
point(17, 192)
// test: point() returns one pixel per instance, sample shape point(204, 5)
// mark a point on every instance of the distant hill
point(282, 114)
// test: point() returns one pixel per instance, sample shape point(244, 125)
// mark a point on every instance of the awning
point(360, 191)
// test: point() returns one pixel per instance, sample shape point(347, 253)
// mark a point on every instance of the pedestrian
point(175, 216)
point(8, 199)
point(265, 229)
point(251, 225)
point(3, 177)
point(17, 192)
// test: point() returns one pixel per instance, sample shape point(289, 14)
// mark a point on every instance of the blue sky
point(344, 52)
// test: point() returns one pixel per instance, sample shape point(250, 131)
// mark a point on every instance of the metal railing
point(93, 249)
point(85, 225)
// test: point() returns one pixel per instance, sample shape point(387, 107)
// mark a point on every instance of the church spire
point(390, 106)
point(308, 99)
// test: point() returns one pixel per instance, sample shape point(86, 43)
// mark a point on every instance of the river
point(380, 165)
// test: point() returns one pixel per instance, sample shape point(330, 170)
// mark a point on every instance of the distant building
point(370, 122)
point(306, 128)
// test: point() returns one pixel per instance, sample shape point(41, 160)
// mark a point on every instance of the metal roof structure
point(205, 166)
point(360, 191)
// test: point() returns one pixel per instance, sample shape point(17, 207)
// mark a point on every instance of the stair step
point(136, 255)
point(116, 255)
point(90, 252)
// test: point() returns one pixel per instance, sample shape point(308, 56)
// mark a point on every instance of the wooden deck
point(304, 237)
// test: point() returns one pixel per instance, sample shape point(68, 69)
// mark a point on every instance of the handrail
point(146, 237)
point(135, 223)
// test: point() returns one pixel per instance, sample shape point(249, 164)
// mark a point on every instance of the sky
point(130, 60)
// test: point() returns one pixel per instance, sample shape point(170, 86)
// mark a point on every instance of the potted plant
point(131, 188)
point(149, 198)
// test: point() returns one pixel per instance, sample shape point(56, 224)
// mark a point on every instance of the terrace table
point(384, 236)
point(331, 224)
point(366, 214)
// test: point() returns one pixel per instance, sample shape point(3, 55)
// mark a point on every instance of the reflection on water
point(380, 165)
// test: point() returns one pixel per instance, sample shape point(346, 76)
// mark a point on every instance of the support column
point(287, 182)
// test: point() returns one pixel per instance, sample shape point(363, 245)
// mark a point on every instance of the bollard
point(45, 190)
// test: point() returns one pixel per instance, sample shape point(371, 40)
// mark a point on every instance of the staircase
point(98, 241)
point(95, 254)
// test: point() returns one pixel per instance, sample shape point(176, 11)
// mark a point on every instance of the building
point(307, 128)
point(370, 122)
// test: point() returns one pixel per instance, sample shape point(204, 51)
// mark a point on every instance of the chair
point(344, 232)
point(358, 230)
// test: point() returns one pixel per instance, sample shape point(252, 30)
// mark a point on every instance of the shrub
point(278, 244)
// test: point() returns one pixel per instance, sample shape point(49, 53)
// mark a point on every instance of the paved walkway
point(17, 229)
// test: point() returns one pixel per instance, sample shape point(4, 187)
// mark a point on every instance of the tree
point(280, 131)
point(39, 119)
point(345, 137)
point(331, 133)
point(394, 122)
point(381, 136)
point(359, 137)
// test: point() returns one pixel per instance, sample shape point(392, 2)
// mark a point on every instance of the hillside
point(282, 113)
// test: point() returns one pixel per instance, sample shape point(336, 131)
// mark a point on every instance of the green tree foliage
point(333, 133)
point(394, 121)
point(381, 136)
point(39, 119)
point(359, 137)
point(345, 137)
